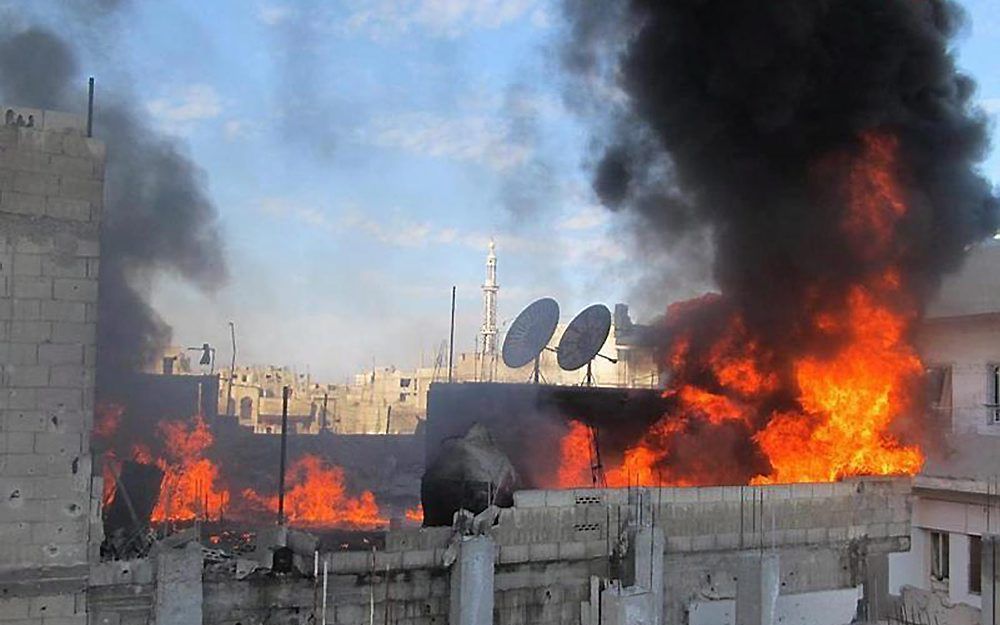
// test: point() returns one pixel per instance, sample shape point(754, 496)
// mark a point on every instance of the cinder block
point(29, 376)
point(77, 290)
point(26, 309)
point(20, 442)
point(30, 331)
point(48, 606)
point(560, 498)
point(24, 421)
point(59, 443)
point(32, 287)
point(60, 399)
point(76, 166)
point(19, 398)
point(82, 333)
point(529, 499)
point(71, 376)
point(27, 264)
point(63, 267)
point(572, 550)
point(58, 310)
point(21, 203)
point(678, 543)
point(685, 495)
point(60, 353)
point(58, 533)
point(12, 608)
point(514, 554)
point(68, 123)
point(26, 160)
point(418, 559)
point(36, 183)
point(710, 494)
point(703, 542)
point(81, 189)
point(67, 209)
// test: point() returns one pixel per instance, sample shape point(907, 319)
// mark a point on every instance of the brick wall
point(51, 197)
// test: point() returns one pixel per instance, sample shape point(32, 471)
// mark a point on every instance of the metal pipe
point(285, 392)
point(451, 340)
point(90, 107)
point(326, 563)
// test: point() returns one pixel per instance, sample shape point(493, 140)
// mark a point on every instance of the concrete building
point(51, 198)
point(956, 505)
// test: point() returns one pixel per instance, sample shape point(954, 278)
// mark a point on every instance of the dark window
point(975, 564)
point(939, 555)
point(246, 409)
point(993, 398)
point(402, 397)
point(404, 382)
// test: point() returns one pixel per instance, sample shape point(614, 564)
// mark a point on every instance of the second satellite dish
point(530, 333)
point(584, 337)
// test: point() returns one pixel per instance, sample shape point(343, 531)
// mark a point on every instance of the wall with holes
point(551, 543)
point(51, 197)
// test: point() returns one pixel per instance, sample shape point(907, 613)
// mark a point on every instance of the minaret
point(488, 332)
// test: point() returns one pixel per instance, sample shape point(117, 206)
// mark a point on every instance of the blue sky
point(361, 154)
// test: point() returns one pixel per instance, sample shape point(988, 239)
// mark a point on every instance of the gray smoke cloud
point(158, 216)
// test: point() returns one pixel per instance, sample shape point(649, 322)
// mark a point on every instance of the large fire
point(194, 485)
point(317, 495)
point(849, 395)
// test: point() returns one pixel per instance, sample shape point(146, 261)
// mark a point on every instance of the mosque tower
point(488, 331)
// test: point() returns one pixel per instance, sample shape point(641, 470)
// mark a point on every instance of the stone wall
point(51, 197)
point(552, 544)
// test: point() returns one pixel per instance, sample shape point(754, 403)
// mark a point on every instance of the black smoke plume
point(743, 118)
point(732, 103)
point(157, 216)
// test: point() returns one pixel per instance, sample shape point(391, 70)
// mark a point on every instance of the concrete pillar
point(472, 582)
point(757, 586)
point(178, 595)
point(875, 588)
point(988, 566)
point(648, 562)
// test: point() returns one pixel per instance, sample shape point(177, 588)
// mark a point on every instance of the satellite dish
point(530, 333)
point(584, 337)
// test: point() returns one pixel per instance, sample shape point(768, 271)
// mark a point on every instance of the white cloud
point(586, 218)
point(235, 129)
point(273, 14)
point(477, 139)
point(194, 103)
point(991, 105)
point(440, 18)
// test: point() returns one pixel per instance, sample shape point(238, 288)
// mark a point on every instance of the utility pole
point(451, 340)
point(285, 392)
point(232, 370)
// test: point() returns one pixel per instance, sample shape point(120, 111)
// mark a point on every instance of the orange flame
point(318, 496)
point(189, 488)
point(415, 514)
point(847, 402)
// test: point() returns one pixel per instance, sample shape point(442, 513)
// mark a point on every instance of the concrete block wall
point(720, 518)
point(51, 198)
